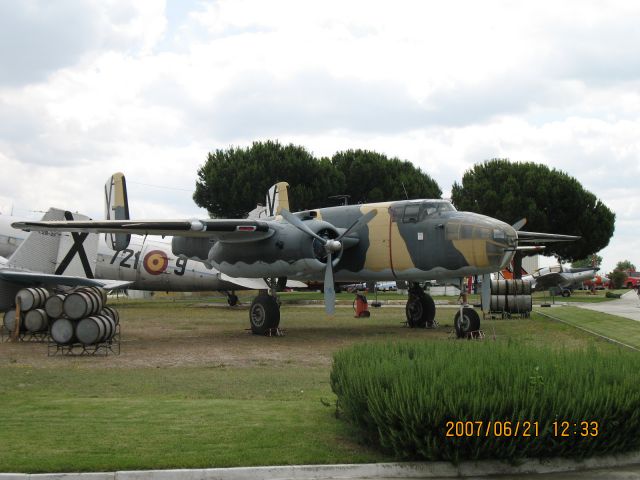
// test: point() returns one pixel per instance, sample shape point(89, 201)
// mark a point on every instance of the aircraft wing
point(240, 230)
point(28, 278)
point(549, 280)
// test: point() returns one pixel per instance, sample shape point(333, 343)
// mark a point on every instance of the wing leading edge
point(220, 230)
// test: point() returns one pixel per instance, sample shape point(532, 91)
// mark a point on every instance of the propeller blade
point(299, 224)
point(329, 291)
point(361, 222)
point(519, 224)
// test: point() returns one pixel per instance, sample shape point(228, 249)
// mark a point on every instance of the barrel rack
point(110, 347)
point(33, 337)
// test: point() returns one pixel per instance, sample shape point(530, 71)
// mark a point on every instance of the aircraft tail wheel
point(232, 299)
point(466, 323)
point(264, 314)
point(421, 311)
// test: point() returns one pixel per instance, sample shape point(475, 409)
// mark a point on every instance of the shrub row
point(401, 396)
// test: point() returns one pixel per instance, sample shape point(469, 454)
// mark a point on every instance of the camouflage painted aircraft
point(411, 240)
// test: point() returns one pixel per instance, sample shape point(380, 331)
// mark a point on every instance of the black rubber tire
point(420, 311)
point(468, 322)
point(566, 292)
point(264, 314)
point(232, 299)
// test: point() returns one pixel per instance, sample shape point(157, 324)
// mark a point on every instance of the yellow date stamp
point(520, 428)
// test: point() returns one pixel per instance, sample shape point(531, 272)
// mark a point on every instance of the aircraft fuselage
point(406, 240)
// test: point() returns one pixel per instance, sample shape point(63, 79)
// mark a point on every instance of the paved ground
point(628, 306)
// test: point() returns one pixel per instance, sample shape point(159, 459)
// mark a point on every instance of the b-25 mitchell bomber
point(411, 240)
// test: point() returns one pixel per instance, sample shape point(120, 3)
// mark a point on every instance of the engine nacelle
point(288, 252)
point(196, 248)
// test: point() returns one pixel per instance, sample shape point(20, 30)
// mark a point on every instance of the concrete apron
point(370, 471)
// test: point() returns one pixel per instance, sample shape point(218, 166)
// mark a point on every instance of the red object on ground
point(361, 306)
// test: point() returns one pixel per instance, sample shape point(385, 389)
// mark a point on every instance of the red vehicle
point(632, 280)
point(599, 282)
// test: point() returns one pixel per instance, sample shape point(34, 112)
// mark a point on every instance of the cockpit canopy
point(413, 212)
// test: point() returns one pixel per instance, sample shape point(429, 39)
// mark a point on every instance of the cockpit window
point(431, 208)
point(411, 213)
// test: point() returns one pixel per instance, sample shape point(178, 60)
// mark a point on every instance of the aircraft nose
point(485, 242)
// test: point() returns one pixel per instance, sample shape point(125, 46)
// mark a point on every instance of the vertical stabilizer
point(39, 250)
point(58, 253)
point(277, 198)
point(116, 207)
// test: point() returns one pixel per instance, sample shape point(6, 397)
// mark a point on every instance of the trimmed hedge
point(401, 396)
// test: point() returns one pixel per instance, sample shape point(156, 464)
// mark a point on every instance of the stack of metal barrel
point(511, 296)
point(33, 318)
point(79, 317)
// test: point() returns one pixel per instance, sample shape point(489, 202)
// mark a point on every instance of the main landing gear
point(264, 313)
point(421, 313)
point(421, 309)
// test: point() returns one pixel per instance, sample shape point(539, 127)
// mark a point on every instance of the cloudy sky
point(90, 87)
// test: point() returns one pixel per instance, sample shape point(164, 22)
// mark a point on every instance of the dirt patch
point(165, 334)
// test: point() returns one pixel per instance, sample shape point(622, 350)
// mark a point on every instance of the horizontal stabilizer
point(528, 248)
point(536, 237)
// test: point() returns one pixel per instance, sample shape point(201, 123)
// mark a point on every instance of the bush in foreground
point(486, 400)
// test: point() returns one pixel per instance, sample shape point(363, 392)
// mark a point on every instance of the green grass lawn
point(193, 389)
point(622, 329)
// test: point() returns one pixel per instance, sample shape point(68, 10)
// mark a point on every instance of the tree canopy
point(625, 265)
point(551, 200)
point(231, 182)
point(591, 261)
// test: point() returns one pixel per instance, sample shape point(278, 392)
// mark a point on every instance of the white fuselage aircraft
point(148, 263)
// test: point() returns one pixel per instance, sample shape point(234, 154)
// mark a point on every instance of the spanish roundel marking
point(155, 262)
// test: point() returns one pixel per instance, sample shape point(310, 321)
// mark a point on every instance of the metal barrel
point(80, 304)
point(63, 331)
point(111, 312)
point(9, 321)
point(36, 320)
point(95, 329)
point(519, 303)
point(497, 303)
point(31, 298)
point(101, 292)
point(494, 287)
point(526, 290)
point(54, 305)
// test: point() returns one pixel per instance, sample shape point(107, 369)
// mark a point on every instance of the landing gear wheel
point(264, 314)
point(421, 311)
point(232, 299)
point(466, 323)
point(566, 293)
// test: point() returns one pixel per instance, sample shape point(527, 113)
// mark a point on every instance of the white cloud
point(88, 88)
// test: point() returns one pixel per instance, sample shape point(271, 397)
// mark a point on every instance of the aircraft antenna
point(405, 190)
